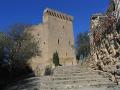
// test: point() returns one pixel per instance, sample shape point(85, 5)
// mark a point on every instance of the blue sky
point(30, 11)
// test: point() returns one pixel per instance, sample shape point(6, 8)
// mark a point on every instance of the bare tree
point(82, 45)
point(23, 46)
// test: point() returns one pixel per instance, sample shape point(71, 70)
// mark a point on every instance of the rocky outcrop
point(106, 56)
point(105, 48)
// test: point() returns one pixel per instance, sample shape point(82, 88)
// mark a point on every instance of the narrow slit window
point(69, 42)
point(66, 54)
point(58, 41)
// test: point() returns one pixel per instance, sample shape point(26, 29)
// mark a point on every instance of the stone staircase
point(67, 78)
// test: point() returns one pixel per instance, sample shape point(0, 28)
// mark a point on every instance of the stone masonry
point(74, 77)
point(54, 34)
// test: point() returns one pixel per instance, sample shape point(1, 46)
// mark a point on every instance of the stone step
point(83, 88)
point(76, 73)
point(71, 69)
point(34, 81)
point(86, 70)
point(71, 77)
point(20, 86)
point(73, 66)
point(62, 80)
point(59, 81)
point(75, 86)
point(82, 81)
point(61, 77)
point(82, 70)
point(68, 68)
point(57, 87)
point(29, 80)
point(81, 75)
point(74, 89)
point(66, 78)
point(76, 83)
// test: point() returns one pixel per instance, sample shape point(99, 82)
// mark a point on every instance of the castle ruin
point(55, 34)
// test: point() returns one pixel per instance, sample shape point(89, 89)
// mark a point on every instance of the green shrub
point(48, 70)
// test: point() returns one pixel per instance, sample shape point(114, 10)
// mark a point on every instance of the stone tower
point(55, 34)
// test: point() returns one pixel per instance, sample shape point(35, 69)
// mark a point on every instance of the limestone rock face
point(105, 45)
point(106, 57)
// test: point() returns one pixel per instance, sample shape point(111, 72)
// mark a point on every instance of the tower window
point(63, 27)
point(58, 41)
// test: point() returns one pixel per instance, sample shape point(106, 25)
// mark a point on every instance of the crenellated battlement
point(58, 14)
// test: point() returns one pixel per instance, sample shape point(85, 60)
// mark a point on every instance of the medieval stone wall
point(60, 37)
point(54, 34)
